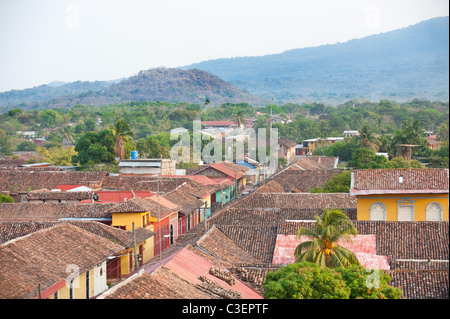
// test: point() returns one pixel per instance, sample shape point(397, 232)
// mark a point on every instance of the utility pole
point(206, 211)
point(134, 247)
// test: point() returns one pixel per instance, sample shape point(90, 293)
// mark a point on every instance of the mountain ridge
point(401, 65)
point(405, 63)
point(157, 84)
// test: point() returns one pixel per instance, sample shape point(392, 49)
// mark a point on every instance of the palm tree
point(367, 139)
point(332, 226)
point(121, 132)
point(67, 132)
point(239, 117)
point(411, 133)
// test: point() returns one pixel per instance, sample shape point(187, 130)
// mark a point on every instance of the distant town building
point(350, 133)
point(156, 166)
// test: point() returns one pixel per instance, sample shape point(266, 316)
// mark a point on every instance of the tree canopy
point(309, 281)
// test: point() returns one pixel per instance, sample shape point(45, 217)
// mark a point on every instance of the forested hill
point(159, 84)
point(400, 65)
point(51, 90)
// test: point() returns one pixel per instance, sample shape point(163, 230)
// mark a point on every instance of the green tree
point(442, 133)
point(121, 133)
point(50, 118)
point(400, 162)
point(26, 146)
point(151, 148)
point(58, 155)
point(368, 284)
point(339, 183)
point(367, 139)
point(411, 133)
point(239, 117)
point(309, 281)
point(330, 227)
point(305, 281)
point(90, 125)
point(95, 148)
point(6, 198)
point(365, 158)
point(5, 146)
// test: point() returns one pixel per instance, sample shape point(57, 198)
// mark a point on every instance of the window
point(405, 210)
point(434, 212)
point(378, 211)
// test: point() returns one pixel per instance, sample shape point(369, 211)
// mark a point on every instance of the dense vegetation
point(159, 84)
point(310, 281)
point(382, 124)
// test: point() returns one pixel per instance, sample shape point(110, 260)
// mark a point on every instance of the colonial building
point(401, 194)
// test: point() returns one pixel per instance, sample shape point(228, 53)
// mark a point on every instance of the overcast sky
point(46, 40)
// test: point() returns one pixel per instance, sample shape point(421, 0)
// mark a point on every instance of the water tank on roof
point(134, 154)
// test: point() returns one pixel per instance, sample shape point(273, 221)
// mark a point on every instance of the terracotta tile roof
point(269, 217)
point(186, 274)
point(161, 284)
point(398, 240)
point(421, 284)
point(220, 123)
point(407, 246)
point(315, 163)
point(258, 241)
point(419, 180)
point(147, 204)
point(298, 181)
point(223, 248)
point(63, 196)
point(33, 168)
point(185, 201)
point(297, 200)
point(286, 142)
point(11, 229)
point(152, 183)
point(230, 169)
point(119, 196)
point(43, 256)
point(33, 180)
point(37, 211)
point(271, 187)
point(192, 267)
point(254, 274)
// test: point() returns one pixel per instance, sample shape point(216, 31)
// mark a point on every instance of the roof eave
point(397, 191)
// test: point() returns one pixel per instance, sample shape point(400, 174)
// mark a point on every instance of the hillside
point(159, 84)
point(400, 65)
point(49, 91)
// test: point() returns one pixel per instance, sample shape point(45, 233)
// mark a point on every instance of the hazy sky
point(46, 40)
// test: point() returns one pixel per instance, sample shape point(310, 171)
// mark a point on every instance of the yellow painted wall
point(311, 147)
point(149, 252)
point(79, 291)
point(390, 201)
point(125, 261)
point(126, 219)
point(205, 200)
point(125, 255)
